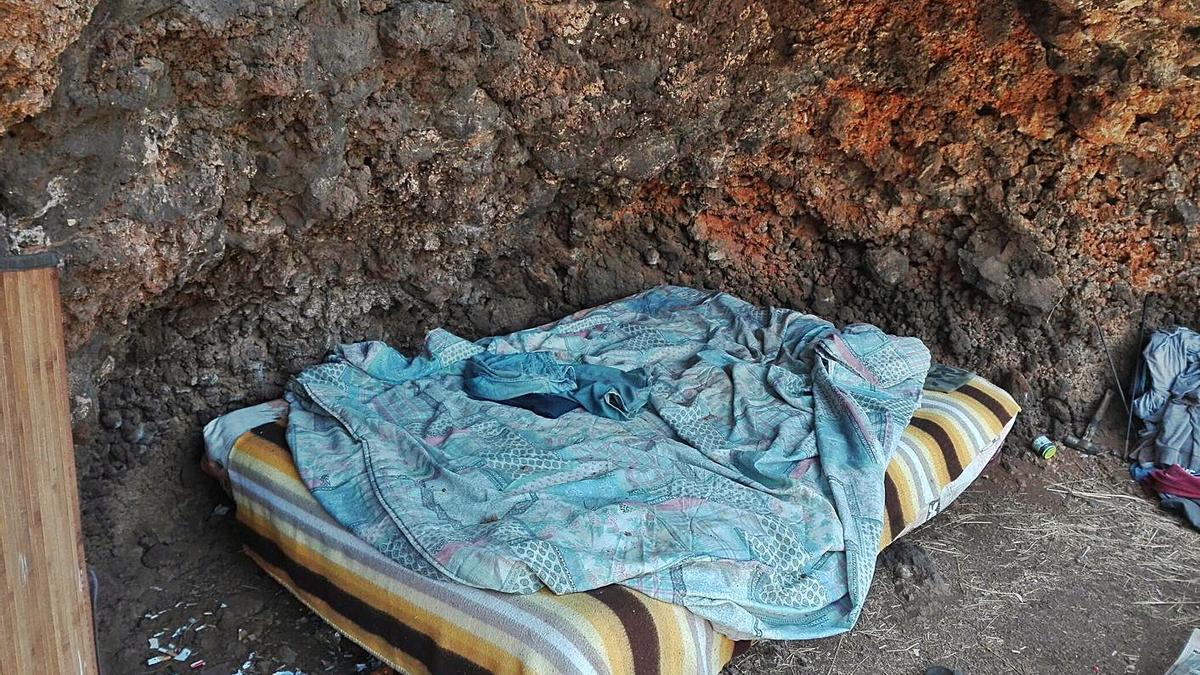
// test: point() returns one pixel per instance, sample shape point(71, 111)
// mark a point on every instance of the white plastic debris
point(249, 664)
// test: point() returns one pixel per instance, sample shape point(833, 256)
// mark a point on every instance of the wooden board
point(45, 606)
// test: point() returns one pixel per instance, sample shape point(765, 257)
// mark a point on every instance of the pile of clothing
point(1167, 401)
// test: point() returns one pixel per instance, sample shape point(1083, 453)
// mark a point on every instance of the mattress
point(419, 625)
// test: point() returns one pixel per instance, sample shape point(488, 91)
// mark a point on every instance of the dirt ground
point(1040, 567)
point(1059, 568)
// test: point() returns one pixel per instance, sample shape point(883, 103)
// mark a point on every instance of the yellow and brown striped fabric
point(419, 625)
point(949, 441)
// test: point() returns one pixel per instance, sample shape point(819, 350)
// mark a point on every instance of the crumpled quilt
point(749, 489)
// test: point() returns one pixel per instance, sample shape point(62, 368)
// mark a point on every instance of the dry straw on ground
point(1085, 574)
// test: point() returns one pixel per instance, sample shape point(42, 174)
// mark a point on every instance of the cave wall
point(237, 186)
point(32, 36)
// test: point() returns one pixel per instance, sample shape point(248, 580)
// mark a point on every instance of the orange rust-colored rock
point(32, 36)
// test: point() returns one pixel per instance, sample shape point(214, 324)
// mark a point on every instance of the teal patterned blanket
point(748, 487)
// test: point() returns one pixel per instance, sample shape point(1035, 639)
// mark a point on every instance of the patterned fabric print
point(787, 590)
point(885, 408)
point(403, 553)
point(634, 337)
point(331, 375)
point(781, 551)
point(693, 426)
point(762, 450)
point(711, 491)
point(791, 383)
point(880, 411)
point(523, 581)
point(449, 348)
point(887, 365)
point(546, 560)
point(511, 454)
point(579, 325)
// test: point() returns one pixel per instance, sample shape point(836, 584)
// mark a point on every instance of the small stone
point(1019, 388)
point(651, 256)
point(425, 25)
point(1057, 409)
point(960, 342)
point(824, 302)
point(158, 556)
point(288, 655)
point(1037, 295)
point(993, 271)
point(81, 408)
point(240, 607)
point(1185, 211)
point(913, 570)
point(889, 266)
point(134, 433)
point(111, 419)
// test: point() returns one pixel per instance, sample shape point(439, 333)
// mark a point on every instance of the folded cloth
point(750, 489)
point(1167, 398)
point(1174, 480)
point(1190, 508)
point(946, 378)
point(600, 390)
point(219, 439)
point(1178, 489)
point(545, 405)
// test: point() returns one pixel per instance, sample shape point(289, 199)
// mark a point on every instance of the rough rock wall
point(237, 186)
point(32, 35)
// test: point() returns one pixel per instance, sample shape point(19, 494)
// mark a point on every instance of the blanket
point(749, 488)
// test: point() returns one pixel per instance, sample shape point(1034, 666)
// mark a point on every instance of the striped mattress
point(418, 625)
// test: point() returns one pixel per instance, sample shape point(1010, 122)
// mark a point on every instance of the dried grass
point(1001, 556)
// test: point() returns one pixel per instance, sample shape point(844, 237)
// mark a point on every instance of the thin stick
point(1112, 366)
point(1086, 495)
point(833, 661)
point(1137, 366)
point(1167, 602)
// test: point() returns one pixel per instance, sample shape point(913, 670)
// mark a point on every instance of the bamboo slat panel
point(45, 608)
